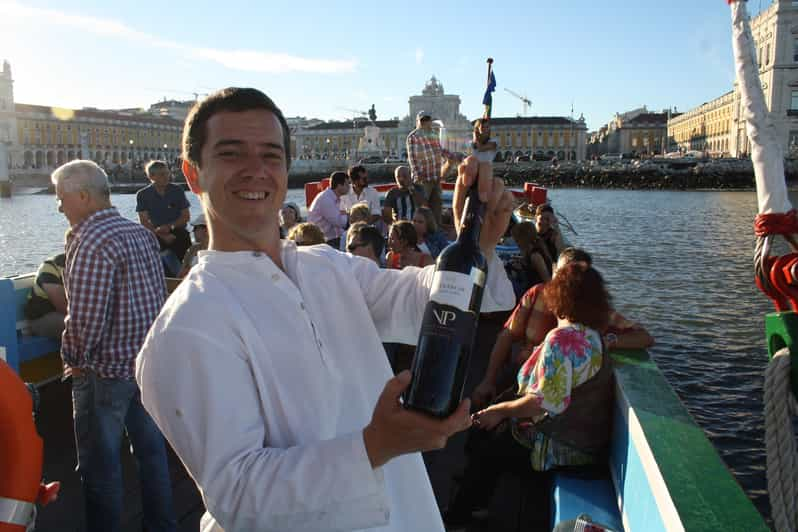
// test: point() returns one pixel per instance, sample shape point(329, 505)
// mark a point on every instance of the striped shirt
point(115, 288)
point(425, 155)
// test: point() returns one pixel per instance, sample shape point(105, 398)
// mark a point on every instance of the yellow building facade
point(718, 127)
point(47, 137)
point(708, 127)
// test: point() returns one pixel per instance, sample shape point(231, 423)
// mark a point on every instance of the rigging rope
point(776, 223)
point(782, 457)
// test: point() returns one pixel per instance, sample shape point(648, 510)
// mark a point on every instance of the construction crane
point(171, 91)
point(523, 99)
point(355, 112)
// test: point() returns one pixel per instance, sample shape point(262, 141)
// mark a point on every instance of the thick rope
point(776, 223)
point(782, 458)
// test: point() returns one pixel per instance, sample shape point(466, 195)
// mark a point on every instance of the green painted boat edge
point(703, 491)
point(781, 330)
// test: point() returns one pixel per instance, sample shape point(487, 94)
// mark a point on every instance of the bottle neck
point(473, 216)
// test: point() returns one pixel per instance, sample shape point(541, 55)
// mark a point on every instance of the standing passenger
point(425, 155)
point(326, 211)
point(115, 288)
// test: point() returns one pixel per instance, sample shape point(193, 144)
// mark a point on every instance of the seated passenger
point(289, 217)
point(358, 213)
point(549, 230)
point(430, 240)
point(164, 209)
point(531, 321)
point(560, 413)
point(447, 225)
point(403, 246)
point(200, 230)
point(366, 241)
point(534, 264)
point(47, 304)
point(306, 234)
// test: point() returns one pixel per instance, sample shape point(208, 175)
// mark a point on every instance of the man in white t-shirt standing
point(265, 369)
point(361, 192)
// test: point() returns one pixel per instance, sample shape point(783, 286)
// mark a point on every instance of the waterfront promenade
point(631, 174)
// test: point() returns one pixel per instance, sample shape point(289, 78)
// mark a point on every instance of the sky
point(329, 60)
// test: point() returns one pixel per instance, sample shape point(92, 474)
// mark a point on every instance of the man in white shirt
point(265, 369)
point(361, 192)
point(327, 212)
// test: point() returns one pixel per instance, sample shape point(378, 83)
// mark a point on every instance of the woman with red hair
point(561, 412)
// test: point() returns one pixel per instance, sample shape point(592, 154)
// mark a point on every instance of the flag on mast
point(487, 100)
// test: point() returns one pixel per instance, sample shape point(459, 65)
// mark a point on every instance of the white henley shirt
point(262, 380)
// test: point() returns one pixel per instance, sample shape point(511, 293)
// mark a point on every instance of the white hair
point(79, 175)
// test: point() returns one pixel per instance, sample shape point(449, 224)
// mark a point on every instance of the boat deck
point(509, 510)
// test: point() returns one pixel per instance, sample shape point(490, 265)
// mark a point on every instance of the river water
point(677, 262)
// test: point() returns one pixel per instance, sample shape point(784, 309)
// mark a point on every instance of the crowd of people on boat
point(275, 368)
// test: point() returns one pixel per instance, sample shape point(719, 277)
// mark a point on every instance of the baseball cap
point(422, 114)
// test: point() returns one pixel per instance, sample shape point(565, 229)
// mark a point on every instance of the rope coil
point(782, 457)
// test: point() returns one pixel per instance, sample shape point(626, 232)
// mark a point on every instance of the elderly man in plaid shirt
point(425, 155)
point(115, 288)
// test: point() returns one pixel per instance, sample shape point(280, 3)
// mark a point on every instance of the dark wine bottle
point(449, 325)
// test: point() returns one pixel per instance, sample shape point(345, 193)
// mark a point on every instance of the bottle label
point(453, 289)
point(447, 322)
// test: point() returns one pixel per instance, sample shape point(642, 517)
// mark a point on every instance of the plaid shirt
point(425, 155)
point(115, 288)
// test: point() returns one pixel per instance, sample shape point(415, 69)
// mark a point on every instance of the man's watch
point(172, 228)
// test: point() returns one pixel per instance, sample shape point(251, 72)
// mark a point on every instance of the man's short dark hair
point(576, 255)
point(545, 207)
point(155, 166)
point(234, 100)
point(355, 171)
point(367, 234)
point(338, 178)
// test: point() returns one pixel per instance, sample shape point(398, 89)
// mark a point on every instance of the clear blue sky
point(317, 57)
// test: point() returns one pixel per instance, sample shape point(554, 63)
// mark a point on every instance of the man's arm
point(412, 152)
point(388, 207)
point(89, 293)
point(57, 296)
point(144, 219)
point(330, 212)
point(211, 414)
point(485, 391)
point(374, 205)
point(182, 220)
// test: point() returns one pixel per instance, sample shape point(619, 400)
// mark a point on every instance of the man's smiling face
point(243, 178)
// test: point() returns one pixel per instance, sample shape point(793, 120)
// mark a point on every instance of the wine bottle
point(449, 325)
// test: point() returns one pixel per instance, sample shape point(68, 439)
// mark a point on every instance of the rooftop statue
point(433, 87)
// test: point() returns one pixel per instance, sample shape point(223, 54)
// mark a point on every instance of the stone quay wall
point(663, 174)
point(655, 174)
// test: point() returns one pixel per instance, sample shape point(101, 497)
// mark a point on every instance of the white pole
point(766, 153)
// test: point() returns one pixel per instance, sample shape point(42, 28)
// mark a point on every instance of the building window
point(794, 100)
point(795, 50)
point(767, 54)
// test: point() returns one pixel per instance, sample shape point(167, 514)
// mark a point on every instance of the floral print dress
point(568, 357)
